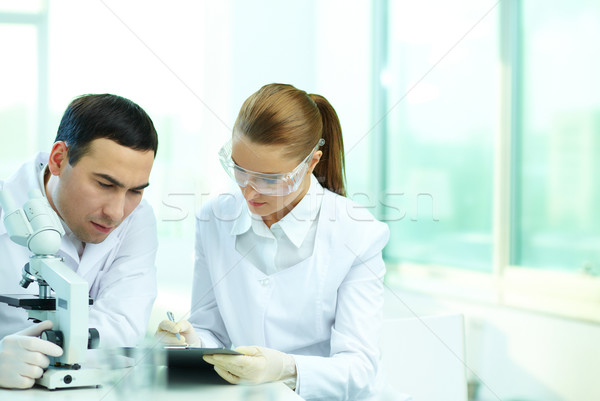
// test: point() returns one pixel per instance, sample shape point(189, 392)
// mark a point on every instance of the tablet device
point(191, 357)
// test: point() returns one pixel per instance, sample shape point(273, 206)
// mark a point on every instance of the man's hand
point(23, 356)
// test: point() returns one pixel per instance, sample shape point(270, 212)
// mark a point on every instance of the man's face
point(103, 187)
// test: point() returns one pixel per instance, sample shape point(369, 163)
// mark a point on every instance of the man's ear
point(58, 157)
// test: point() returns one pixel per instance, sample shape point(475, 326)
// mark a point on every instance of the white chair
point(425, 357)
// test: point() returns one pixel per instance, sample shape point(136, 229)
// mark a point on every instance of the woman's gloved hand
point(257, 365)
point(167, 333)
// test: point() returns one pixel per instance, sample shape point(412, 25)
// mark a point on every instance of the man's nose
point(114, 209)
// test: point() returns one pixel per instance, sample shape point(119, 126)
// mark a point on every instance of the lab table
point(157, 383)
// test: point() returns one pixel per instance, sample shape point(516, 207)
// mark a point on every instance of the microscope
point(37, 227)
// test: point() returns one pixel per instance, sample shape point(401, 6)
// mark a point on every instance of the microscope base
point(55, 378)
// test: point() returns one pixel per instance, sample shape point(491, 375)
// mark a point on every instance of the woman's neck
point(280, 214)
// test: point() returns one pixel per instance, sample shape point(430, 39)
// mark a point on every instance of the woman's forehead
point(261, 158)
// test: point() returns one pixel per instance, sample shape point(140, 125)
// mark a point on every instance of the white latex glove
point(257, 365)
point(167, 329)
point(23, 356)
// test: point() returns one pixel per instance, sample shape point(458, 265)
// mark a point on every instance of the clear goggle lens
point(265, 184)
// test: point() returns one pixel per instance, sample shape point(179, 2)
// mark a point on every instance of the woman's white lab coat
point(326, 311)
point(120, 270)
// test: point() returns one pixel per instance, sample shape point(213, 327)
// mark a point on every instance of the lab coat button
point(264, 282)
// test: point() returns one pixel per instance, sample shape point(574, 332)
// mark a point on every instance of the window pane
point(18, 80)
point(440, 132)
point(557, 210)
point(29, 6)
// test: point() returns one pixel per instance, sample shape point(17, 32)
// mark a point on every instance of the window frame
point(565, 294)
point(39, 20)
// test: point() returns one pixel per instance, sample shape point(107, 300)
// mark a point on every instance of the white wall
point(518, 355)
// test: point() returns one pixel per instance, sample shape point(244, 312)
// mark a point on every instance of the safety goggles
point(266, 184)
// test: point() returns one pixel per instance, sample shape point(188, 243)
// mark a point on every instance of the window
point(492, 138)
point(440, 133)
point(22, 108)
point(558, 150)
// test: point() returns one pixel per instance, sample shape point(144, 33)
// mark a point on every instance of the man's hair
point(90, 117)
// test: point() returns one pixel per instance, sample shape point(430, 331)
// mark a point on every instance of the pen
point(172, 318)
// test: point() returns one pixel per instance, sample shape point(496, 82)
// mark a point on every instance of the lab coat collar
point(70, 243)
point(260, 228)
point(243, 222)
point(295, 224)
point(94, 252)
point(299, 220)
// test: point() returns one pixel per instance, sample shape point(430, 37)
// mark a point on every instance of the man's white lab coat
point(120, 270)
point(326, 311)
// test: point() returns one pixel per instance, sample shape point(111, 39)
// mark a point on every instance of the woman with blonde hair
point(288, 269)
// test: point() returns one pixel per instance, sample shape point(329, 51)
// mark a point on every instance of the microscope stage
point(31, 302)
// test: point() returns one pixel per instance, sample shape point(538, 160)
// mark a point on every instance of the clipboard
point(191, 357)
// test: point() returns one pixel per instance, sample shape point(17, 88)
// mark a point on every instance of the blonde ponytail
point(331, 170)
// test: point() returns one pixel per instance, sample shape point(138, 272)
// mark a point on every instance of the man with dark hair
point(94, 178)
